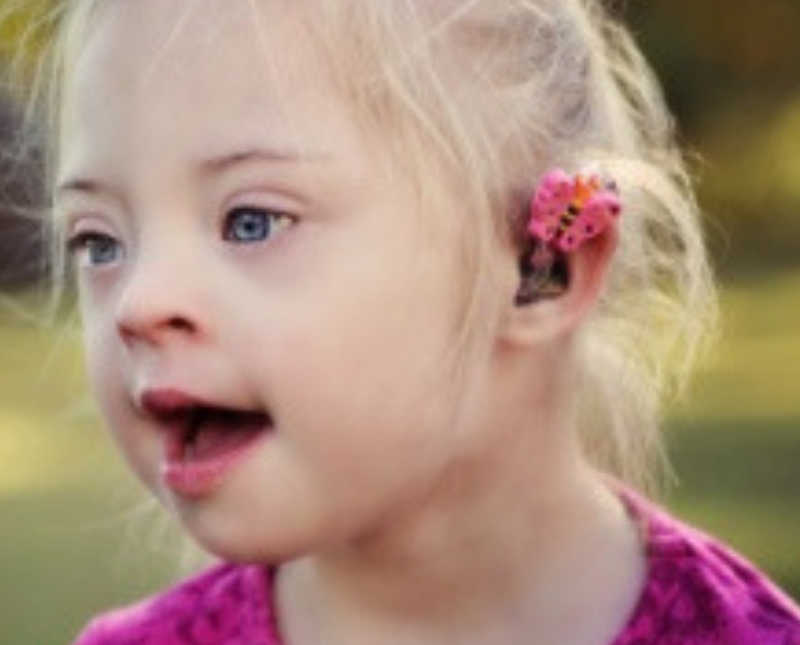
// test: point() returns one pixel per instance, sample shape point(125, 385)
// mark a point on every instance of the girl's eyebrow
point(90, 186)
point(213, 165)
point(271, 155)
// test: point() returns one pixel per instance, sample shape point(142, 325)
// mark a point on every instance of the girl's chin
point(233, 531)
point(262, 550)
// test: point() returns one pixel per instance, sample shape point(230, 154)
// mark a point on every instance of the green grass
point(77, 539)
point(754, 371)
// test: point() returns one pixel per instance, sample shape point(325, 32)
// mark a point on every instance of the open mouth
point(208, 432)
point(197, 429)
point(202, 441)
point(201, 432)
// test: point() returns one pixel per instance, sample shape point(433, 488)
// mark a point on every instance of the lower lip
point(197, 478)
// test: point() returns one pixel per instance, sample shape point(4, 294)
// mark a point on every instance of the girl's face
point(243, 242)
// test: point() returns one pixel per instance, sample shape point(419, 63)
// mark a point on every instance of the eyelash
point(82, 241)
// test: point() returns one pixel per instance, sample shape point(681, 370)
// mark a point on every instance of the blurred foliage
point(730, 73)
point(21, 21)
point(22, 241)
point(710, 53)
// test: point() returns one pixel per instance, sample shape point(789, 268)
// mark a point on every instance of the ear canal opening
point(544, 274)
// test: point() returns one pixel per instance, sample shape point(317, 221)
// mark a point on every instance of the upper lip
point(170, 403)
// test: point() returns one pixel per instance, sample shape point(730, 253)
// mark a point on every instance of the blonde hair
point(483, 96)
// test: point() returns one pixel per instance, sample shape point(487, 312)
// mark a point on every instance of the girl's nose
point(158, 304)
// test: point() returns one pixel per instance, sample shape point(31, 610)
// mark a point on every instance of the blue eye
point(247, 224)
point(95, 248)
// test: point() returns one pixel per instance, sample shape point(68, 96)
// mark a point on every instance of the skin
point(405, 505)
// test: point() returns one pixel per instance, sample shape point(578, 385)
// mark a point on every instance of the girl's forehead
point(146, 42)
point(196, 74)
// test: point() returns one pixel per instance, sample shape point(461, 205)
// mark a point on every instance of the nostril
point(153, 330)
point(181, 324)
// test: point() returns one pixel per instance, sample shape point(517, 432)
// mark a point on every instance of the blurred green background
point(77, 535)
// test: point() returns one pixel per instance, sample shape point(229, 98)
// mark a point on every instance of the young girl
point(382, 299)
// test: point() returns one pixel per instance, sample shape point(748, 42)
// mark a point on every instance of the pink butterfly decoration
point(567, 211)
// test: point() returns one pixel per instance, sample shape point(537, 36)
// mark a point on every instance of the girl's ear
point(557, 315)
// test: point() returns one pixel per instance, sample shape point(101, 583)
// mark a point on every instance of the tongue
point(214, 438)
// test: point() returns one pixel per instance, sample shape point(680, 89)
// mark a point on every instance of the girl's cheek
point(95, 293)
point(96, 357)
point(100, 343)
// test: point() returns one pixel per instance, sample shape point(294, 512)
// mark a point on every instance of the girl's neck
point(480, 563)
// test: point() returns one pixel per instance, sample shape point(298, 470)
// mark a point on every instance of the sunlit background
point(75, 536)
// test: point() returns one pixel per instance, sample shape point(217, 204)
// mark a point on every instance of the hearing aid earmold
point(565, 212)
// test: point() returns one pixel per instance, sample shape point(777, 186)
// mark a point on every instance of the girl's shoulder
point(700, 591)
point(225, 604)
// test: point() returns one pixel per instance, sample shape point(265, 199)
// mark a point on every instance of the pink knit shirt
point(698, 592)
